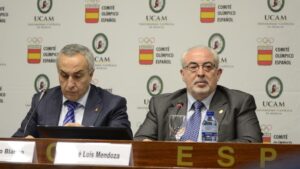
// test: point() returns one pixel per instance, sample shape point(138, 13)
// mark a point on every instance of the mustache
point(200, 80)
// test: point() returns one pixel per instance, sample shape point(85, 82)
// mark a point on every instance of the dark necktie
point(70, 116)
point(193, 124)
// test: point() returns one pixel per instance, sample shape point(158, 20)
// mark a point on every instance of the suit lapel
point(54, 109)
point(219, 106)
point(92, 108)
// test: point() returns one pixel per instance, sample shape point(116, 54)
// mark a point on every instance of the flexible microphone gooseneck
point(34, 111)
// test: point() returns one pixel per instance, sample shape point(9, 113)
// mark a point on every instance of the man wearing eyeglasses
point(233, 109)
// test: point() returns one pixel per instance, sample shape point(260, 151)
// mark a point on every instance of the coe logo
point(274, 87)
point(154, 85)
point(44, 6)
point(100, 43)
point(275, 5)
point(34, 50)
point(157, 5)
point(266, 128)
point(217, 42)
point(41, 83)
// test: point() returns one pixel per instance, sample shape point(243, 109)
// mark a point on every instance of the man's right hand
point(73, 125)
point(29, 136)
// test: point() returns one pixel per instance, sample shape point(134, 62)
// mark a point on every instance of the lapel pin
point(96, 109)
point(221, 111)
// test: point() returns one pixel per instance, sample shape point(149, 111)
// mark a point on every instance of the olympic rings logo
point(265, 40)
point(34, 40)
point(208, 1)
point(92, 1)
point(92, 6)
point(147, 40)
point(266, 127)
point(208, 5)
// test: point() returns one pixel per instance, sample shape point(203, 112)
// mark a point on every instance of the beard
point(201, 90)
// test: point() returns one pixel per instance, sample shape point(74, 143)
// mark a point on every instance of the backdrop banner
point(137, 45)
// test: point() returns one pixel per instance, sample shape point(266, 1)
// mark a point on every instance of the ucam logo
point(44, 6)
point(154, 85)
point(100, 43)
point(276, 18)
point(274, 87)
point(157, 5)
point(41, 83)
point(275, 5)
point(217, 42)
point(43, 20)
point(155, 19)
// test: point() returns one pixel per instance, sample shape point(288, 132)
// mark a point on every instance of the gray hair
point(73, 49)
point(201, 47)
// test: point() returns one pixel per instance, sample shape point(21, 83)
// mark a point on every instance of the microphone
point(178, 107)
point(43, 92)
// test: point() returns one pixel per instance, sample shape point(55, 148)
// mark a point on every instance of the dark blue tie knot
point(198, 105)
point(71, 105)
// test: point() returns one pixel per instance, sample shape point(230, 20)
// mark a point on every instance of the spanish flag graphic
point(146, 55)
point(92, 14)
point(264, 55)
point(34, 54)
point(207, 13)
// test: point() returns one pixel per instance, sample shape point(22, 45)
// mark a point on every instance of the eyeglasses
point(194, 67)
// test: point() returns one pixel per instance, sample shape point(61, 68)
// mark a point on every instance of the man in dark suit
point(91, 105)
point(234, 110)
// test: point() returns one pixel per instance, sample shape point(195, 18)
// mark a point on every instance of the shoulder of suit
point(103, 92)
point(228, 91)
point(52, 90)
point(172, 95)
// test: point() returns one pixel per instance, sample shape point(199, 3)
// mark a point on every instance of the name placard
point(93, 153)
point(17, 151)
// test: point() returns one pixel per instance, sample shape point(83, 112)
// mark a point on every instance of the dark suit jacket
point(234, 111)
point(102, 109)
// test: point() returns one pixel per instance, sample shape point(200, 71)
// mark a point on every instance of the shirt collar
point(82, 100)
point(205, 101)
